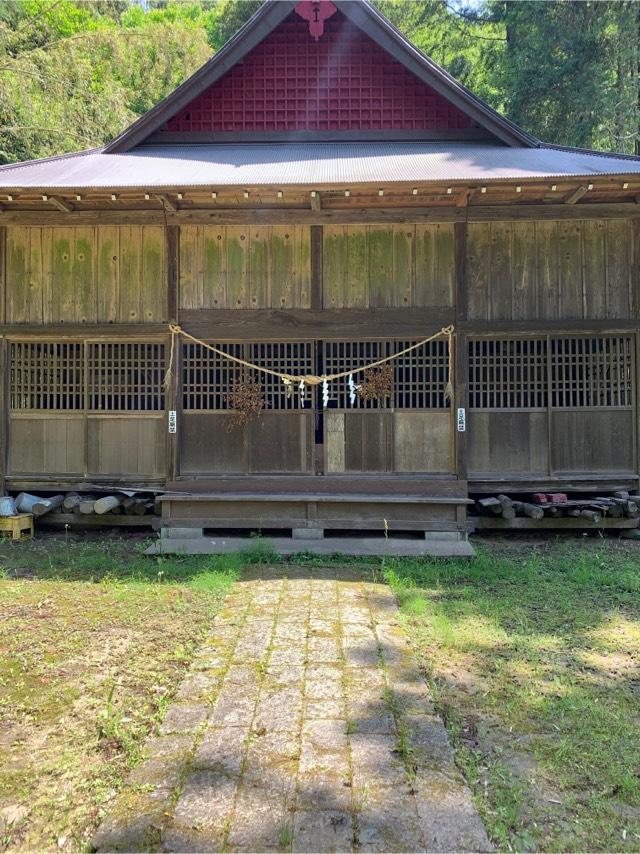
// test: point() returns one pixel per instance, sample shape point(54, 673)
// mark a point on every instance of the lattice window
point(46, 375)
point(589, 372)
point(419, 377)
point(508, 374)
point(126, 377)
point(208, 378)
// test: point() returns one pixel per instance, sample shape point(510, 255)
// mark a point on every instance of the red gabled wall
point(342, 81)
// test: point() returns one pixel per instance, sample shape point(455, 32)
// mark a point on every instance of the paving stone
point(324, 790)
point(429, 741)
point(160, 772)
point(375, 761)
point(167, 746)
point(388, 819)
point(231, 708)
point(200, 686)
point(447, 816)
point(262, 822)
point(324, 650)
point(333, 707)
point(206, 803)
point(280, 709)
point(328, 831)
point(281, 656)
point(324, 748)
point(243, 674)
point(135, 824)
point(283, 676)
point(272, 761)
point(222, 749)
point(183, 718)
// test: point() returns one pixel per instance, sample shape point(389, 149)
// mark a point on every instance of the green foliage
point(74, 74)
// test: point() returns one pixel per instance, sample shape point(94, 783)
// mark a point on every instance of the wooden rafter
point(167, 202)
point(61, 204)
point(575, 195)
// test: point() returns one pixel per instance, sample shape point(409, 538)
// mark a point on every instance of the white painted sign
point(173, 421)
point(462, 420)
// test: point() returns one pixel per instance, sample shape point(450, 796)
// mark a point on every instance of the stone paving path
point(304, 725)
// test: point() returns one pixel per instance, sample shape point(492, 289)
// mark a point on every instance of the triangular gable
point(319, 70)
point(341, 81)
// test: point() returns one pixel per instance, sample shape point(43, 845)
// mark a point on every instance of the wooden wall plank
point(126, 446)
point(84, 274)
point(17, 272)
point(478, 265)
point(108, 284)
point(261, 278)
point(594, 268)
point(355, 265)
point(46, 444)
point(422, 442)
point(441, 288)
point(334, 441)
point(570, 270)
point(501, 273)
point(548, 303)
point(584, 440)
point(381, 278)
point(214, 265)
point(524, 271)
point(619, 243)
point(403, 265)
point(153, 282)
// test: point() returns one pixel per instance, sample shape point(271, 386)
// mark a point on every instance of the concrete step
point(369, 546)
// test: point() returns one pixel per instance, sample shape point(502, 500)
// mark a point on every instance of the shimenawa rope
point(312, 379)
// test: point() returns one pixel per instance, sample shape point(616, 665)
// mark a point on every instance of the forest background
point(74, 74)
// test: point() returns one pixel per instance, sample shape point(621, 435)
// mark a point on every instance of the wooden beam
point(301, 324)
point(61, 204)
point(301, 216)
point(316, 202)
point(575, 195)
point(167, 203)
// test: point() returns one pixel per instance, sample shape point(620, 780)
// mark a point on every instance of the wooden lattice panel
point(126, 376)
point(47, 375)
point(591, 372)
point(508, 373)
point(343, 81)
point(208, 378)
point(419, 377)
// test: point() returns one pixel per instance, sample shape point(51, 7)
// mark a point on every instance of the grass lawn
point(533, 654)
point(94, 640)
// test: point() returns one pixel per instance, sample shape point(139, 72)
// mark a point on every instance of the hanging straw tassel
point(448, 391)
point(169, 372)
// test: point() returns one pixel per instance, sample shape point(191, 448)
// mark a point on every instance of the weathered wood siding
point(276, 442)
point(383, 441)
point(85, 275)
point(564, 270)
point(388, 266)
point(245, 267)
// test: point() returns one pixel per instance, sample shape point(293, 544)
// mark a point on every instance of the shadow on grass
point(534, 665)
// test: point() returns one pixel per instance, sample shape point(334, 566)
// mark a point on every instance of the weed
point(259, 551)
point(285, 836)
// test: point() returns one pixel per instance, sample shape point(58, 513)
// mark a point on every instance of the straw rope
point(312, 379)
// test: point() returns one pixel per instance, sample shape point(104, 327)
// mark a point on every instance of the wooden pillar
point(172, 240)
point(174, 392)
point(460, 355)
point(4, 412)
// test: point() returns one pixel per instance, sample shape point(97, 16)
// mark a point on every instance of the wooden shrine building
point(317, 197)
